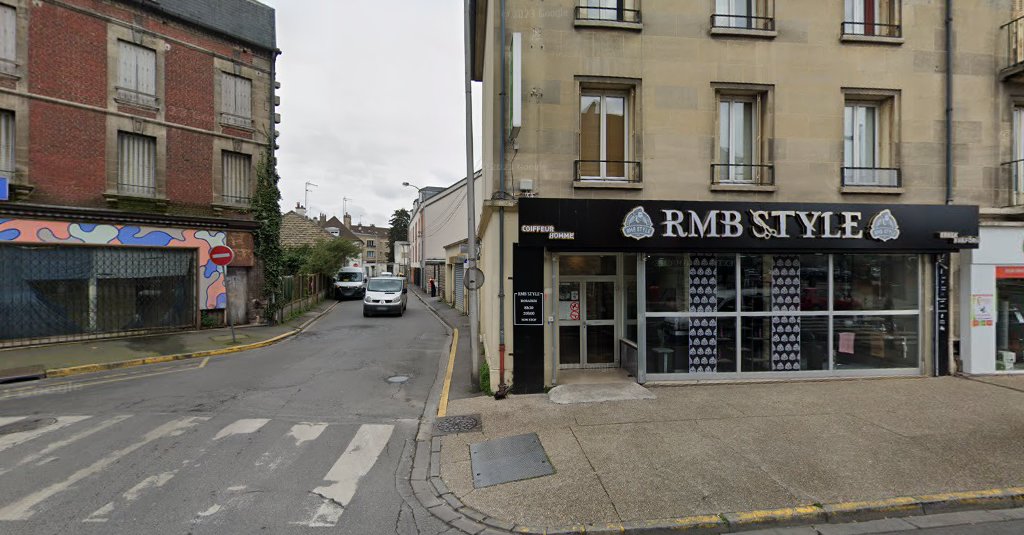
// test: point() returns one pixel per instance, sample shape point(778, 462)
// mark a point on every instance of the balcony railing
point(725, 174)
point(136, 190)
point(743, 22)
point(608, 171)
point(872, 29)
point(872, 177)
point(1014, 173)
point(1012, 37)
point(610, 14)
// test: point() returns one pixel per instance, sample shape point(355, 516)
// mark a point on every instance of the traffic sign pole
point(227, 306)
point(222, 255)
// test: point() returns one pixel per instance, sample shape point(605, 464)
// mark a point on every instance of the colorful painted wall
point(211, 282)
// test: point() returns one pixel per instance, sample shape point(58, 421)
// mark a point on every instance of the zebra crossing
point(122, 467)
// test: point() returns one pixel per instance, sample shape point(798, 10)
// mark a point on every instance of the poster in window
point(982, 310)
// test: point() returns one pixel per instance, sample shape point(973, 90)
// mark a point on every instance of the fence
point(301, 292)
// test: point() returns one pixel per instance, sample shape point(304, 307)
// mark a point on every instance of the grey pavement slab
point(462, 385)
point(594, 393)
point(710, 449)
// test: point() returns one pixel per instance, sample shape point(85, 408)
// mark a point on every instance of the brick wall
point(67, 55)
point(189, 83)
point(189, 164)
point(66, 155)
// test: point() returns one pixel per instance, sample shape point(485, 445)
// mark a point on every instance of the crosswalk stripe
point(4, 420)
point(132, 494)
point(306, 432)
point(13, 439)
point(23, 508)
point(60, 444)
point(357, 460)
point(241, 427)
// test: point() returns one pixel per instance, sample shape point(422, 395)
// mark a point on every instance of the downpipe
point(503, 388)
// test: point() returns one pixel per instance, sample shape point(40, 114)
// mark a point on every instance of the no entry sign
point(222, 255)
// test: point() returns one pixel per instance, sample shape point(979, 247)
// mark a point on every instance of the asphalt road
point(306, 436)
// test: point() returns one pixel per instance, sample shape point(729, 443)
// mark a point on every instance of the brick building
point(130, 132)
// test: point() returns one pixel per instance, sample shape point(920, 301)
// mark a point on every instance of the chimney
point(323, 219)
point(299, 209)
point(348, 220)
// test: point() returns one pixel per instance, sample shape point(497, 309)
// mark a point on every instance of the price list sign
point(529, 308)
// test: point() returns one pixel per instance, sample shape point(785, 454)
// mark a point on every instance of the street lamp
point(423, 255)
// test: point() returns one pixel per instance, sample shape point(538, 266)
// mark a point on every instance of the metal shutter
point(8, 34)
point(460, 290)
point(236, 168)
point(136, 165)
point(7, 143)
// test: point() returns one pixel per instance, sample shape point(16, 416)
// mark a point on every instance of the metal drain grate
point(26, 425)
point(451, 425)
point(508, 459)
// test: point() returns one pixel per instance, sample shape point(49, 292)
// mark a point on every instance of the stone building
point(129, 138)
point(734, 190)
point(375, 246)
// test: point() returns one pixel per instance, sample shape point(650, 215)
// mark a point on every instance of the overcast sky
point(371, 95)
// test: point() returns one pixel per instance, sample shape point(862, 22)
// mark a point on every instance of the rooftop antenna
point(344, 205)
point(306, 199)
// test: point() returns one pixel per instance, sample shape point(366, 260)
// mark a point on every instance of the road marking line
point(23, 508)
point(49, 388)
point(241, 427)
point(359, 457)
point(4, 420)
point(305, 432)
point(202, 364)
point(60, 444)
point(152, 482)
point(9, 441)
point(442, 407)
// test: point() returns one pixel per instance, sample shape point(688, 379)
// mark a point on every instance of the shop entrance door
point(586, 323)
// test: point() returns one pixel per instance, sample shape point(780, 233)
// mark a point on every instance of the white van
point(385, 294)
point(349, 283)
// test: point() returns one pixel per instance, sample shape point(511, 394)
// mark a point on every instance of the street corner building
point(130, 133)
point(688, 191)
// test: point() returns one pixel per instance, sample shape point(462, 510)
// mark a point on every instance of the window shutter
point(146, 71)
point(243, 100)
point(227, 94)
point(136, 164)
point(7, 134)
point(8, 33)
point(126, 66)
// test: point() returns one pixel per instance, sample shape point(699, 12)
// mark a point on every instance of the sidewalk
point(718, 449)
point(106, 351)
point(462, 384)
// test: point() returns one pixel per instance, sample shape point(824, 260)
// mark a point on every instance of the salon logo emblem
point(884, 226)
point(637, 224)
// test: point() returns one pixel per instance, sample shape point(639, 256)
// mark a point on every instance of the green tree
point(266, 212)
point(399, 231)
point(328, 256)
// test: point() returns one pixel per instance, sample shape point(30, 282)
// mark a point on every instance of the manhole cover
point(398, 379)
point(508, 459)
point(450, 425)
point(26, 425)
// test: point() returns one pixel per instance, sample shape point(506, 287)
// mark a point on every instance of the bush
point(485, 377)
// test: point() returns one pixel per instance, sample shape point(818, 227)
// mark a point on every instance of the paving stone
point(869, 527)
point(453, 501)
point(425, 494)
point(469, 512)
point(953, 519)
point(435, 444)
point(1009, 514)
point(445, 513)
point(467, 525)
point(435, 464)
point(498, 523)
point(439, 485)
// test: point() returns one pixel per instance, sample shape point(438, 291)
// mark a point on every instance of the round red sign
point(222, 255)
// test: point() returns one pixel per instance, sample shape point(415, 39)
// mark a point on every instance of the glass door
point(586, 324)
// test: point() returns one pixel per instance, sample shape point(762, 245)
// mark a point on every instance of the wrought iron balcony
point(608, 171)
point(618, 13)
point(724, 174)
point(881, 21)
point(1012, 38)
point(872, 177)
point(872, 29)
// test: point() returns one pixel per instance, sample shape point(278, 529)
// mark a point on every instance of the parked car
point(385, 295)
point(350, 283)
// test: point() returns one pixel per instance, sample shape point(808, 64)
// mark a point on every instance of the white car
point(385, 295)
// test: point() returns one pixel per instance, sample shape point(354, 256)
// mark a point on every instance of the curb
point(93, 368)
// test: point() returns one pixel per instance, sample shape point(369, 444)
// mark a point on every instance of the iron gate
point(62, 293)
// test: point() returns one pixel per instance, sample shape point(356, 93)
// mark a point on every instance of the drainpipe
point(949, 101)
point(502, 386)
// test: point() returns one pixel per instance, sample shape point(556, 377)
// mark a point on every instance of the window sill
point(743, 32)
point(610, 24)
point(221, 206)
point(115, 198)
point(19, 192)
point(872, 190)
point(606, 184)
point(137, 105)
point(870, 39)
point(755, 188)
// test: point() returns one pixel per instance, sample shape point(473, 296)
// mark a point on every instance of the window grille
point(237, 170)
point(136, 165)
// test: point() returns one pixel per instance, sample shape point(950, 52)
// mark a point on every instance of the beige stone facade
point(801, 71)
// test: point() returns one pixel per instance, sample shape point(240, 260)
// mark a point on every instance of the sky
point(372, 95)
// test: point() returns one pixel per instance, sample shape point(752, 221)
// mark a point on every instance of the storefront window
point(876, 282)
point(586, 265)
point(691, 283)
point(691, 345)
point(869, 342)
point(629, 281)
point(1009, 320)
point(784, 343)
point(804, 277)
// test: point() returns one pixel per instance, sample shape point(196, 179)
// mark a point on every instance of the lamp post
point(423, 252)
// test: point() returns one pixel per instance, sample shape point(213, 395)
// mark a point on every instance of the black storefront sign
point(528, 308)
point(941, 351)
point(528, 267)
point(652, 226)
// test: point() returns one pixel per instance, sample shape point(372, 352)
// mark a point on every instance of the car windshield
point(350, 277)
point(385, 285)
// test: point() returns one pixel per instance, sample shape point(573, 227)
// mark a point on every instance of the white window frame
point(235, 108)
point(136, 172)
point(589, 11)
point(137, 74)
point(1017, 162)
point(627, 133)
point(731, 130)
point(735, 13)
point(854, 118)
